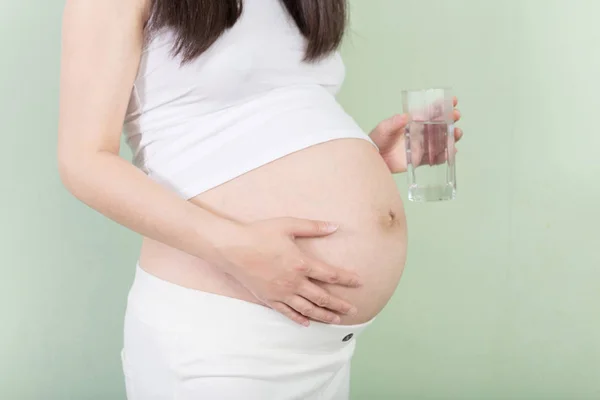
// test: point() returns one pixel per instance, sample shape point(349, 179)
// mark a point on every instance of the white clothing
point(184, 344)
point(249, 100)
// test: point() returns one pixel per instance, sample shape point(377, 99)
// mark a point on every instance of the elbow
point(71, 170)
point(66, 168)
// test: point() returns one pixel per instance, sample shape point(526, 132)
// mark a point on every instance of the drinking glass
point(430, 150)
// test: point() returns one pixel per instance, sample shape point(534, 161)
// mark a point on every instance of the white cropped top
point(249, 100)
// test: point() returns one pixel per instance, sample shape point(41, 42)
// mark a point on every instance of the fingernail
point(331, 227)
point(337, 320)
point(306, 324)
point(353, 311)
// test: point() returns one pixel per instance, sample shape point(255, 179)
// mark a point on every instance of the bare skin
point(286, 259)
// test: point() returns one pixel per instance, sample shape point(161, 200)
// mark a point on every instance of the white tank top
point(249, 100)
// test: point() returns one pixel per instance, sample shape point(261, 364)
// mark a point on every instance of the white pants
point(183, 344)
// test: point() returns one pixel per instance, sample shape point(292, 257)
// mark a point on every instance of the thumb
point(391, 126)
point(309, 228)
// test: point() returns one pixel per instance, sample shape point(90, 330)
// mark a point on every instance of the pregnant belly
point(344, 181)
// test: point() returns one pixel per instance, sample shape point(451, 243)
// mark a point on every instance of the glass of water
point(430, 150)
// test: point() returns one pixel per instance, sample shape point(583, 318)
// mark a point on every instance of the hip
point(185, 344)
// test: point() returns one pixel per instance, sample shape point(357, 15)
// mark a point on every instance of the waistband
point(171, 307)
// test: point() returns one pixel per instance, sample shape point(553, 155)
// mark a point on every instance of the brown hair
point(197, 24)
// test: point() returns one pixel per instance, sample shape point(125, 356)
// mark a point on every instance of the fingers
point(290, 313)
point(309, 228)
point(456, 114)
point(310, 310)
point(458, 134)
point(455, 101)
point(325, 273)
point(320, 297)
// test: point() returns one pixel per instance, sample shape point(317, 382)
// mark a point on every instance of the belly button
point(392, 218)
point(389, 220)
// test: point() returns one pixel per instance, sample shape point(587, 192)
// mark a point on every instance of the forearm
point(117, 189)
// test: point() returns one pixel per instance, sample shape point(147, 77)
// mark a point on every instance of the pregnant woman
point(273, 230)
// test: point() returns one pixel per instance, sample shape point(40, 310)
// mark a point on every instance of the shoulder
point(138, 10)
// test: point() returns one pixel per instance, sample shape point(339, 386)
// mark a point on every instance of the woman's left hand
point(389, 138)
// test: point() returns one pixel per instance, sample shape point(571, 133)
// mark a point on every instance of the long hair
point(197, 24)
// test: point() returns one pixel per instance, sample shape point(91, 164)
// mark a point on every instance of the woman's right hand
point(264, 257)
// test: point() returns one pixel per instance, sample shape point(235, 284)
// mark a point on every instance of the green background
point(501, 295)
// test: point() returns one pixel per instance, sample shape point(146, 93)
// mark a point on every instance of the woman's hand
point(264, 257)
point(390, 139)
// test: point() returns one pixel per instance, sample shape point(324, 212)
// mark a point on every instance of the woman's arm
point(102, 42)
